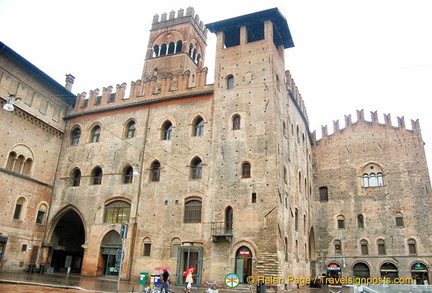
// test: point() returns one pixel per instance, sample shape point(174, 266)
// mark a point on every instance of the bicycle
point(212, 287)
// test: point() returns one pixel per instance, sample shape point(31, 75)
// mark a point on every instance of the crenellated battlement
point(169, 19)
point(294, 93)
point(161, 86)
point(415, 124)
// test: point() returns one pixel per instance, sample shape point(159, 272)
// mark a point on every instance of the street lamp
point(9, 106)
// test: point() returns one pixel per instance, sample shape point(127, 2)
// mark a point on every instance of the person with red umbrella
point(189, 279)
point(165, 280)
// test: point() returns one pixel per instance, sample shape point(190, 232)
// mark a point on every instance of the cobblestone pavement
point(23, 282)
point(68, 283)
point(13, 288)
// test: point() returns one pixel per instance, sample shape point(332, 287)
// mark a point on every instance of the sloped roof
point(282, 35)
point(65, 95)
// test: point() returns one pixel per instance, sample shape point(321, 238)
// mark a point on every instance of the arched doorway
point(66, 252)
point(389, 270)
point(419, 273)
point(243, 265)
point(334, 271)
point(312, 252)
point(361, 270)
point(111, 243)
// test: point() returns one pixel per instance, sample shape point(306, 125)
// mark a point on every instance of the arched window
point(341, 222)
point(196, 168)
point(299, 181)
point(323, 193)
point(11, 161)
point(389, 270)
point(246, 170)
point(96, 176)
point(75, 135)
point(338, 247)
point(130, 129)
point(360, 221)
point(361, 270)
point(127, 174)
point(20, 160)
point(156, 51)
point(192, 213)
point(18, 208)
point(304, 225)
point(381, 247)
point(198, 127)
point(230, 82)
point(412, 249)
point(175, 244)
point(399, 220)
point(171, 48)
point(236, 122)
point(163, 50)
point(155, 171)
point(40, 217)
point(76, 177)
point(190, 50)
point(95, 134)
point(117, 212)
point(364, 247)
point(146, 246)
point(420, 273)
point(372, 175)
point(296, 220)
point(27, 166)
point(167, 130)
point(179, 46)
point(228, 220)
point(19, 164)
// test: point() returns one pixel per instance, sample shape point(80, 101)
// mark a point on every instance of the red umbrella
point(191, 269)
point(161, 268)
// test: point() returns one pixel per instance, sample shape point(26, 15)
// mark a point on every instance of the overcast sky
point(374, 55)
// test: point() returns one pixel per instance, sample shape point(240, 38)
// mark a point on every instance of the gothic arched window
point(372, 175)
point(196, 168)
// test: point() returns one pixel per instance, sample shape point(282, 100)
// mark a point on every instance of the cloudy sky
point(349, 55)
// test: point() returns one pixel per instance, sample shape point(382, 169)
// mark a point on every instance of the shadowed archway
point(66, 251)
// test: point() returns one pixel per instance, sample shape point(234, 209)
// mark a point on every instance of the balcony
point(221, 231)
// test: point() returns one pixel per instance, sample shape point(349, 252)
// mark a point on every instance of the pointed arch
point(155, 168)
point(130, 129)
point(229, 220)
point(196, 165)
point(75, 135)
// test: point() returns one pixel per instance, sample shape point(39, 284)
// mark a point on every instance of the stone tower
point(176, 47)
point(260, 178)
point(373, 200)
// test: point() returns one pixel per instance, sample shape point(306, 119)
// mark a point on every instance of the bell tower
point(176, 46)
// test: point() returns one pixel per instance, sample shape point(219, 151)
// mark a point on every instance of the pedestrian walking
point(189, 281)
point(165, 281)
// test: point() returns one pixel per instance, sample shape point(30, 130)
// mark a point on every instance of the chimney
point(69, 81)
